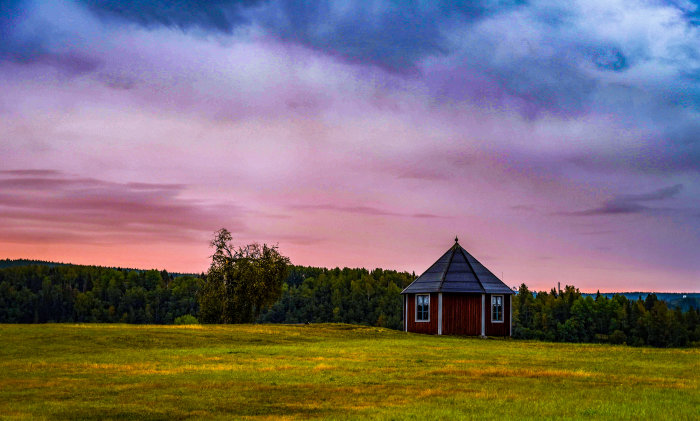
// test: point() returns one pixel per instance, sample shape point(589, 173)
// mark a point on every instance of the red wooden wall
point(423, 327)
point(461, 314)
point(498, 329)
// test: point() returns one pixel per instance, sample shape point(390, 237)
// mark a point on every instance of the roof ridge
point(447, 267)
point(483, 290)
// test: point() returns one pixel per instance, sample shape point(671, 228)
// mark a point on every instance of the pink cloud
point(62, 208)
point(175, 136)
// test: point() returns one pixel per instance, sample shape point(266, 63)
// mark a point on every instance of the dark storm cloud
point(610, 58)
point(393, 35)
point(675, 149)
point(11, 12)
point(660, 194)
point(215, 15)
point(533, 59)
point(12, 45)
point(614, 208)
point(631, 203)
point(553, 77)
point(32, 47)
point(556, 74)
point(542, 68)
point(690, 8)
point(69, 64)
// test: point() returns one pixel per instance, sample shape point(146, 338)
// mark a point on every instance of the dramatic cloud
point(392, 35)
point(217, 15)
point(356, 135)
point(632, 203)
point(46, 204)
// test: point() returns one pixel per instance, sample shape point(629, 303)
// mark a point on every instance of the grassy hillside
point(336, 371)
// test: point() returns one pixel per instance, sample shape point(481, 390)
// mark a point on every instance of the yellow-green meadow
point(110, 371)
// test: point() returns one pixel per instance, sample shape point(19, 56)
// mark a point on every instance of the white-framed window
point(496, 309)
point(422, 307)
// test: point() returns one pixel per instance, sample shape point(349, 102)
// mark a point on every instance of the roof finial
point(456, 239)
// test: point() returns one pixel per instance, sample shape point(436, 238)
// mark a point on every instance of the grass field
point(330, 371)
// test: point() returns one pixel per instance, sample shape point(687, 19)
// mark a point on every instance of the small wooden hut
point(457, 295)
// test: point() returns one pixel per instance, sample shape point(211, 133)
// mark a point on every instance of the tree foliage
point(71, 293)
point(358, 296)
point(568, 316)
point(241, 282)
point(40, 293)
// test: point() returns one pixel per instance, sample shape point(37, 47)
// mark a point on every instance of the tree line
point(42, 293)
point(567, 316)
point(256, 283)
point(68, 293)
point(358, 296)
point(39, 293)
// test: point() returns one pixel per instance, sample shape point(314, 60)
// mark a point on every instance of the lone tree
point(241, 282)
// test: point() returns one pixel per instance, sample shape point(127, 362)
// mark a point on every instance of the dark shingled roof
point(458, 271)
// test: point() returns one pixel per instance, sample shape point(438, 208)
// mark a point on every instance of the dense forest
point(316, 295)
point(40, 293)
point(567, 316)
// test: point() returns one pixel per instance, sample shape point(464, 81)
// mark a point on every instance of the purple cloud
point(366, 210)
point(52, 202)
point(394, 126)
point(631, 203)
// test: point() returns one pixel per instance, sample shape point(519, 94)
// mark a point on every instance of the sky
point(559, 140)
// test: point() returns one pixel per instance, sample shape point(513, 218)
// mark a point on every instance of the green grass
point(330, 371)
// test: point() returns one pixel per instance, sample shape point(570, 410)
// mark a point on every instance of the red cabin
point(457, 295)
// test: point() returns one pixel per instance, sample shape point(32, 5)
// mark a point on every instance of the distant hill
point(48, 292)
point(8, 263)
point(684, 300)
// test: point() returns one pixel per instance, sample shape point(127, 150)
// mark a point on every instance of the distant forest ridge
point(664, 296)
point(8, 263)
point(41, 292)
point(670, 297)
